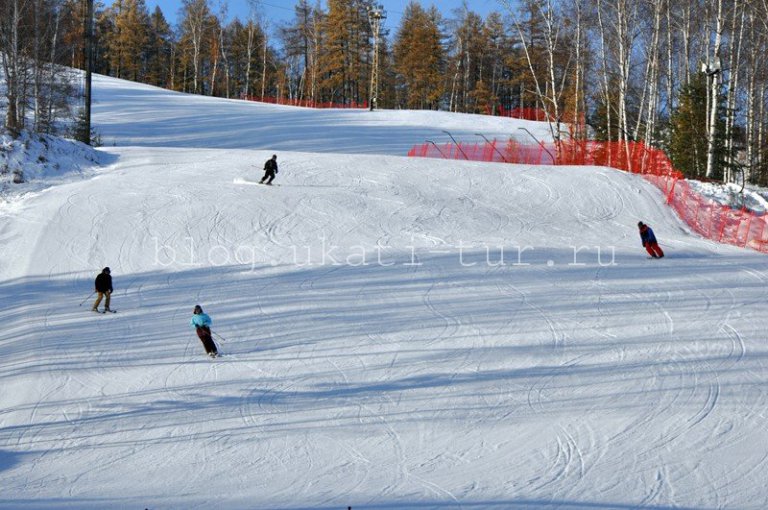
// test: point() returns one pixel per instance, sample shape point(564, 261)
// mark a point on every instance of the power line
point(278, 6)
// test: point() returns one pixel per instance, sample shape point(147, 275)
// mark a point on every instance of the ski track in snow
point(428, 375)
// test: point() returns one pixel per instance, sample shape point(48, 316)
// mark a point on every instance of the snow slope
point(377, 352)
point(129, 115)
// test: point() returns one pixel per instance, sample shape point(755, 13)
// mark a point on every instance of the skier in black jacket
point(103, 286)
point(270, 169)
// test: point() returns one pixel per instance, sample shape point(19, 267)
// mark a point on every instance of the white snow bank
point(33, 161)
point(732, 195)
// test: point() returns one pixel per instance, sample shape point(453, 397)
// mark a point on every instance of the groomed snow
point(377, 352)
point(129, 115)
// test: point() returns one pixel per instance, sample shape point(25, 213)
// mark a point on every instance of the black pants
point(270, 174)
point(204, 334)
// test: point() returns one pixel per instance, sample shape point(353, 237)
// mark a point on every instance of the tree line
point(687, 76)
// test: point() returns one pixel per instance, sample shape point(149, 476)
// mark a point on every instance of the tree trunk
point(653, 75)
point(670, 53)
point(715, 74)
point(734, 63)
point(606, 81)
point(264, 68)
point(453, 103)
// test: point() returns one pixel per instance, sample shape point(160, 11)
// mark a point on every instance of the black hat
point(106, 270)
point(639, 223)
point(198, 309)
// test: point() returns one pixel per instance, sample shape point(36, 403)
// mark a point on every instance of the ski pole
point(86, 299)
point(219, 336)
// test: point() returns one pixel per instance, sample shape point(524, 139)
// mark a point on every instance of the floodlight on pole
point(376, 16)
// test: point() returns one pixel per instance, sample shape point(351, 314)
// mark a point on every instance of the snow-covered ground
point(129, 115)
point(34, 162)
point(377, 353)
point(733, 195)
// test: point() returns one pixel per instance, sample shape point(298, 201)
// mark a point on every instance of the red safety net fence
point(739, 227)
point(307, 103)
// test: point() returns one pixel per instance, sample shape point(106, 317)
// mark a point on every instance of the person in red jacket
point(649, 241)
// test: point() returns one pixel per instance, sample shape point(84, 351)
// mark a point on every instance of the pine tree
point(523, 74)
point(159, 51)
point(387, 77)
point(103, 26)
point(247, 58)
point(496, 74)
point(420, 58)
point(344, 54)
point(688, 141)
point(72, 24)
point(301, 43)
point(128, 42)
point(469, 44)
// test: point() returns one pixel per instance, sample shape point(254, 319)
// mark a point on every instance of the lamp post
point(376, 16)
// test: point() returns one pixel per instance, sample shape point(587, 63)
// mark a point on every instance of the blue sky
point(278, 11)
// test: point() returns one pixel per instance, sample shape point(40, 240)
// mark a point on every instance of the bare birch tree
point(14, 65)
point(195, 25)
point(551, 87)
point(738, 18)
point(713, 70)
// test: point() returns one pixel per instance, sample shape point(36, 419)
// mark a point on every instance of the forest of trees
point(688, 76)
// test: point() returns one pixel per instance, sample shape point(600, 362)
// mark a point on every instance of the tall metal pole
point(376, 15)
point(88, 54)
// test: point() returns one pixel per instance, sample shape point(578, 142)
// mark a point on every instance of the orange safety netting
point(739, 227)
point(308, 103)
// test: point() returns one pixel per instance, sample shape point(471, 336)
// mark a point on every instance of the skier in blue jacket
point(202, 324)
point(649, 241)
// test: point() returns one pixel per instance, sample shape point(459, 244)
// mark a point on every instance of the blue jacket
point(200, 319)
point(646, 235)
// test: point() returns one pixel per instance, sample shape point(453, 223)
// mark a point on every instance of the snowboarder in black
point(103, 286)
point(270, 170)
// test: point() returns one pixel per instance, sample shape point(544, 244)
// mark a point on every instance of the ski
point(249, 182)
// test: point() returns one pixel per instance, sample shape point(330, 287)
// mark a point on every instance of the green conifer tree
point(688, 137)
point(420, 58)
